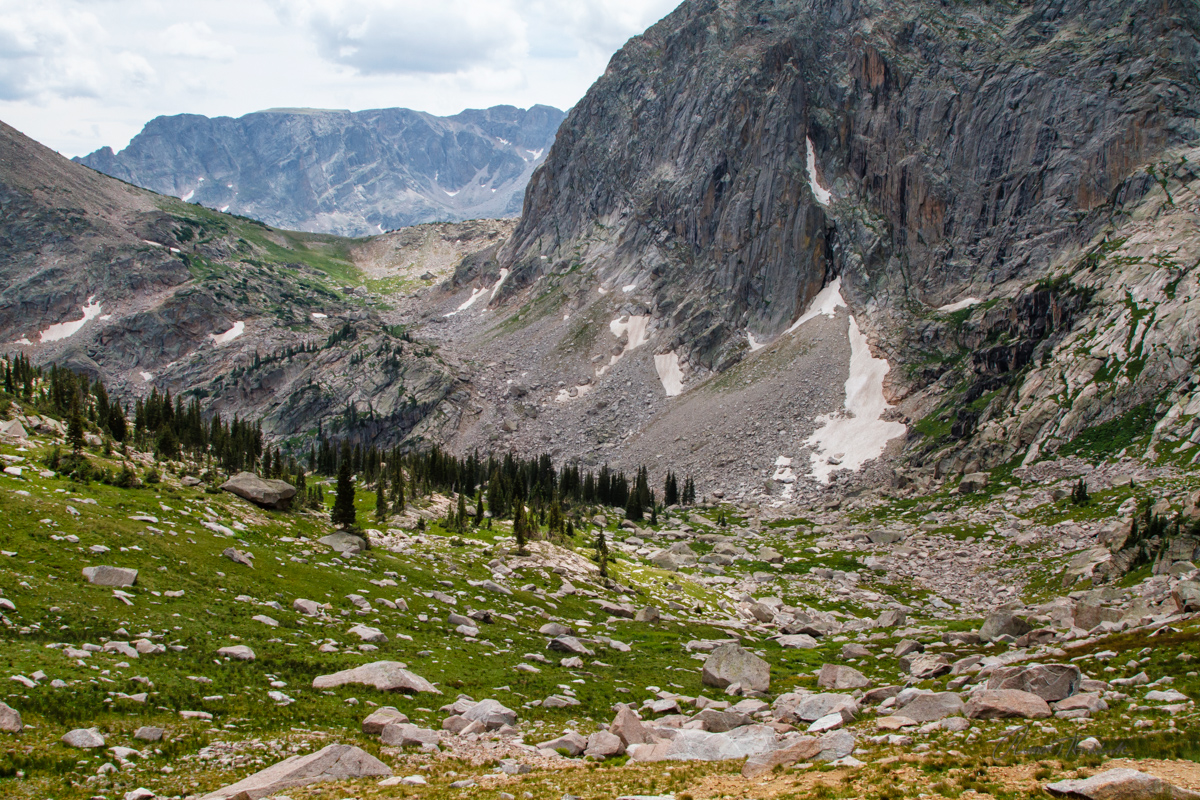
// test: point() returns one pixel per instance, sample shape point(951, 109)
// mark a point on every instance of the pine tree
point(653, 512)
point(671, 490)
point(75, 427)
point(478, 507)
point(633, 508)
point(460, 523)
point(343, 514)
point(602, 553)
point(398, 493)
point(381, 504)
point(556, 526)
point(519, 529)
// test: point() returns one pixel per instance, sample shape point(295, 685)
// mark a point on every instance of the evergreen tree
point(478, 507)
point(461, 522)
point(381, 504)
point(398, 493)
point(75, 427)
point(343, 514)
point(633, 508)
point(602, 553)
point(557, 524)
point(519, 529)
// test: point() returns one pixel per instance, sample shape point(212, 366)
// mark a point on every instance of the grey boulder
point(84, 739)
point(344, 543)
point(841, 679)
point(404, 734)
point(1051, 682)
point(386, 676)
point(337, 762)
point(1006, 704)
point(266, 493)
point(1120, 784)
point(492, 714)
point(110, 576)
point(238, 652)
point(10, 719)
point(1003, 623)
point(730, 664)
point(933, 707)
point(380, 718)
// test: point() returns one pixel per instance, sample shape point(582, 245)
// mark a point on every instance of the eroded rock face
point(337, 762)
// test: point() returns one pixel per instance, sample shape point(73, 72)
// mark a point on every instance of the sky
point(80, 74)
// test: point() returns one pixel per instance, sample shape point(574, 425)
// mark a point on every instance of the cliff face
point(965, 145)
point(351, 174)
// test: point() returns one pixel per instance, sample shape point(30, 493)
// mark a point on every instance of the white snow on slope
point(827, 302)
point(564, 395)
point(755, 344)
point(635, 328)
point(847, 441)
point(475, 295)
point(670, 373)
point(496, 289)
point(629, 288)
point(188, 197)
point(823, 195)
point(146, 376)
point(228, 336)
point(65, 330)
point(319, 315)
point(960, 305)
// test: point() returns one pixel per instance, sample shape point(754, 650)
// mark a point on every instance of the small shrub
point(152, 476)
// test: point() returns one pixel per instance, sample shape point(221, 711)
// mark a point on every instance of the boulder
point(715, 721)
point(261, 492)
point(803, 749)
point(907, 646)
point(238, 557)
point(975, 482)
point(404, 734)
point(1187, 596)
point(554, 630)
point(1006, 704)
point(647, 614)
point(1121, 784)
point(368, 634)
point(1051, 682)
point(148, 734)
point(694, 745)
point(891, 618)
point(603, 744)
point(801, 641)
point(380, 718)
point(10, 719)
point(344, 543)
point(841, 679)
point(570, 742)
point(337, 762)
point(816, 706)
point(1003, 623)
point(730, 664)
point(1080, 705)
point(492, 714)
point(835, 745)
point(110, 576)
point(933, 707)
point(928, 665)
point(84, 739)
point(386, 676)
point(569, 644)
point(629, 728)
point(239, 652)
point(308, 608)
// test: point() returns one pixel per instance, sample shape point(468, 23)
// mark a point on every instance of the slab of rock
point(629, 728)
point(814, 707)
point(337, 762)
point(841, 678)
point(148, 734)
point(715, 721)
point(84, 739)
point(569, 644)
point(603, 744)
point(492, 714)
point(380, 718)
point(830, 722)
point(1121, 784)
point(1079, 706)
point(730, 664)
point(1051, 682)
point(800, 641)
point(308, 608)
point(386, 676)
point(647, 614)
point(933, 707)
point(554, 630)
point(926, 665)
point(10, 719)
point(805, 748)
point(110, 576)
point(368, 634)
point(239, 652)
point(344, 543)
point(693, 745)
point(895, 722)
point(1003, 623)
point(570, 743)
point(404, 734)
point(266, 493)
point(1006, 704)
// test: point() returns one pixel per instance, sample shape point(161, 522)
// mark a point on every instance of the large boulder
point(924, 666)
point(84, 739)
point(380, 718)
point(404, 734)
point(1187, 596)
point(386, 676)
point(603, 744)
point(629, 728)
point(344, 543)
point(933, 707)
point(570, 743)
point(110, 576)
point(10, 719)
point(694, 745)
point(569, 644)
point(1003, 623)
point(731, 663)
point(266, 493)
point(1006, 704)
point(817, 706)
point(805, 748)
point(1051, 682)
point(715, 721)
point(1121, 784)
point(337, 762)
point(238, 652)
point(841, 678)
point(492, 714)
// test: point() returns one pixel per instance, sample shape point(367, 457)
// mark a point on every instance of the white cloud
point(194, 40)
point(45, 51)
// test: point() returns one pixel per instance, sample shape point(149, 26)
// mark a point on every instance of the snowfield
point(228, 336)
point(670, 373)
point(823, 195)
point(65, 330)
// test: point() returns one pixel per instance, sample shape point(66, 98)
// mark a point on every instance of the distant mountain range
point(341, 172)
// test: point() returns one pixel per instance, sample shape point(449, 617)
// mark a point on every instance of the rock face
point(1120, 784)
point(261, 492)
point(110, 576)
point(386, 676)
point(351, 174)
point(1051, 682)
point(337, 762)
point(731, 664)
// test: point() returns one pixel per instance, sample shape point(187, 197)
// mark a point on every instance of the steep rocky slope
point(342, 172)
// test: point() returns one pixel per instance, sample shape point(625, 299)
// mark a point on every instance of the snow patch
point(827, 302)
point(319, 315)
point(629, 288)
point(154, 244)
point(228, 336)
point(564, 395)
point(670, 373)
point(187, 198)
point(602, 290)
point(960, 305)
point(23, 340)
point(224, 209)
point(65, 330)
point(823, 195)
point(635, 328)
point(105, 317)
point(475, 295)
point(755, 344)
point(146, 376)
point(496, 289)
point(450, 194)
point(847, 441)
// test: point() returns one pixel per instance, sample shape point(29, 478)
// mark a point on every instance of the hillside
point(341, 172)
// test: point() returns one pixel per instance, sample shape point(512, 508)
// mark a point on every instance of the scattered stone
point(1003, 623)
point(628, 727)
point(933, 707)
point(148, 734)
point(802, 749)
point(10, 719)
point(344, 543)
point(380, 718)
point(337, 762)
point(840, 678)
point(492, 714)
point(926, 666)
point(1051, 682)
point(603, 744)
point(569, 644)
point(308, 608)
point(404, 734)
point(265, 620)
point(238, 557)
point(368, 634)
point(570, 742)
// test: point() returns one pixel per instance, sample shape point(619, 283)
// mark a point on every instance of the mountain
point(341, 172)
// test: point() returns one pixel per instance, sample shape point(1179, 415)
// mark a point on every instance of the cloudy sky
point(80, 74)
